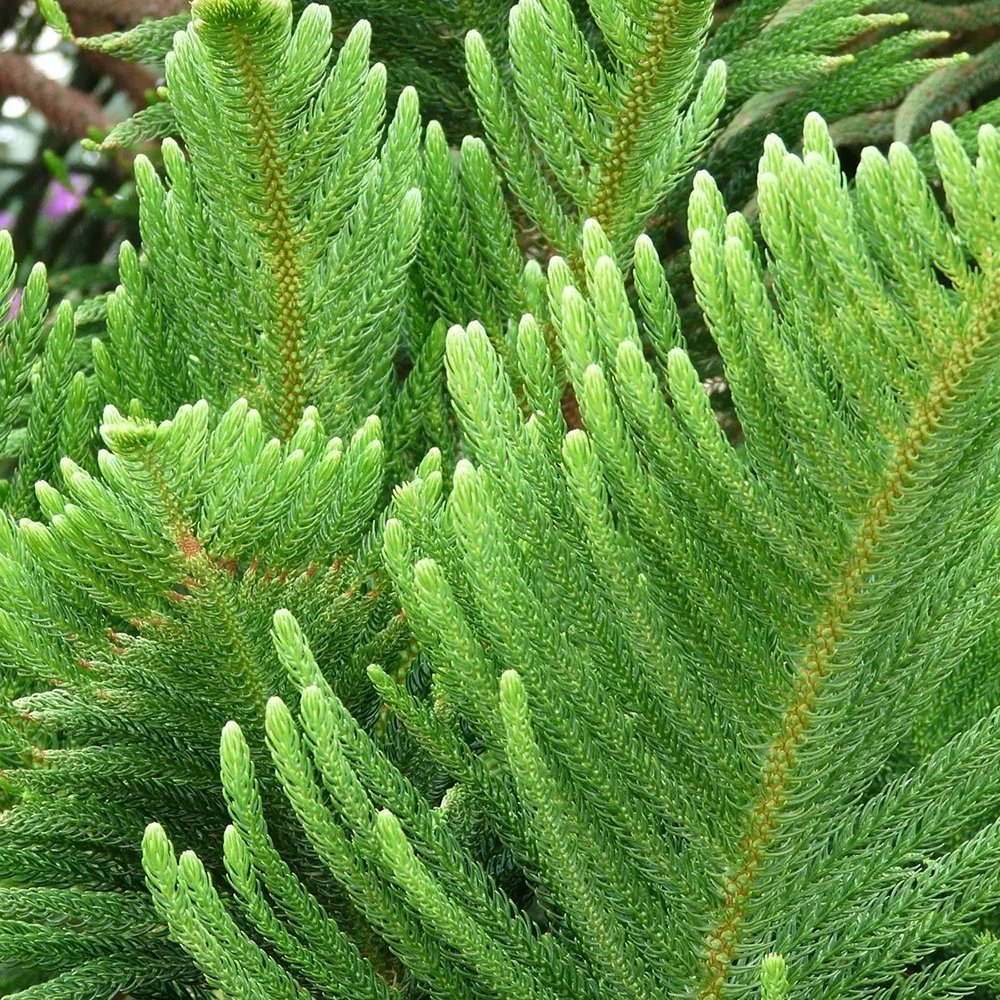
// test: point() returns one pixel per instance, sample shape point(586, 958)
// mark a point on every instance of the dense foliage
point(389, 610)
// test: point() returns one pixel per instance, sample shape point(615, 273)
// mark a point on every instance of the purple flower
point(6, 220)
point(61, 200)
point(14, 305)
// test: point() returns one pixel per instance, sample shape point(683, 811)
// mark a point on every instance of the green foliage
point(969, 86)
point(608, 129)
point(46, 411)
point(151, 588)
point(248, 265)
point(282, 194)
point(732, 628)
point(773, 978)
point(600, 701)
point(623, 78)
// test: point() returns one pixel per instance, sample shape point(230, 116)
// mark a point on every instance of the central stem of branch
point(284, 332)
point(657, 84)
point(615, 168)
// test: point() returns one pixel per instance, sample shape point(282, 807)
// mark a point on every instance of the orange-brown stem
point(615, 168)
point(278, 242)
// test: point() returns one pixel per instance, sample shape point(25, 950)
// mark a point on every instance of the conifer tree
point(692, 689)
point(579, 155)
point(612, 706)
point(618, 134)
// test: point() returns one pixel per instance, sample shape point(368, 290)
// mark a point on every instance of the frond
point(664, 669)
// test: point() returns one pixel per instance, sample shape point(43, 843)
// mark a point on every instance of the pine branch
point(970, 357)
point(659, 80)
point(240, 45)
point(600, 701)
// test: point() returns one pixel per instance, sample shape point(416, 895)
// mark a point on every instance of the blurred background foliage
point(64, 206)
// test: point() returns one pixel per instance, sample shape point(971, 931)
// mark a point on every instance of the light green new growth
point(773, 978)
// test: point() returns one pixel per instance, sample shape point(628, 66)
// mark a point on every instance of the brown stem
point(278, 243)
point(626, 131)
point(125, 12)
point(70, 113)
point(672, 30)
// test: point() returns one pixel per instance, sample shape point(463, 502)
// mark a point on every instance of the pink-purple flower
point(61, 201)
point(14, 305)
